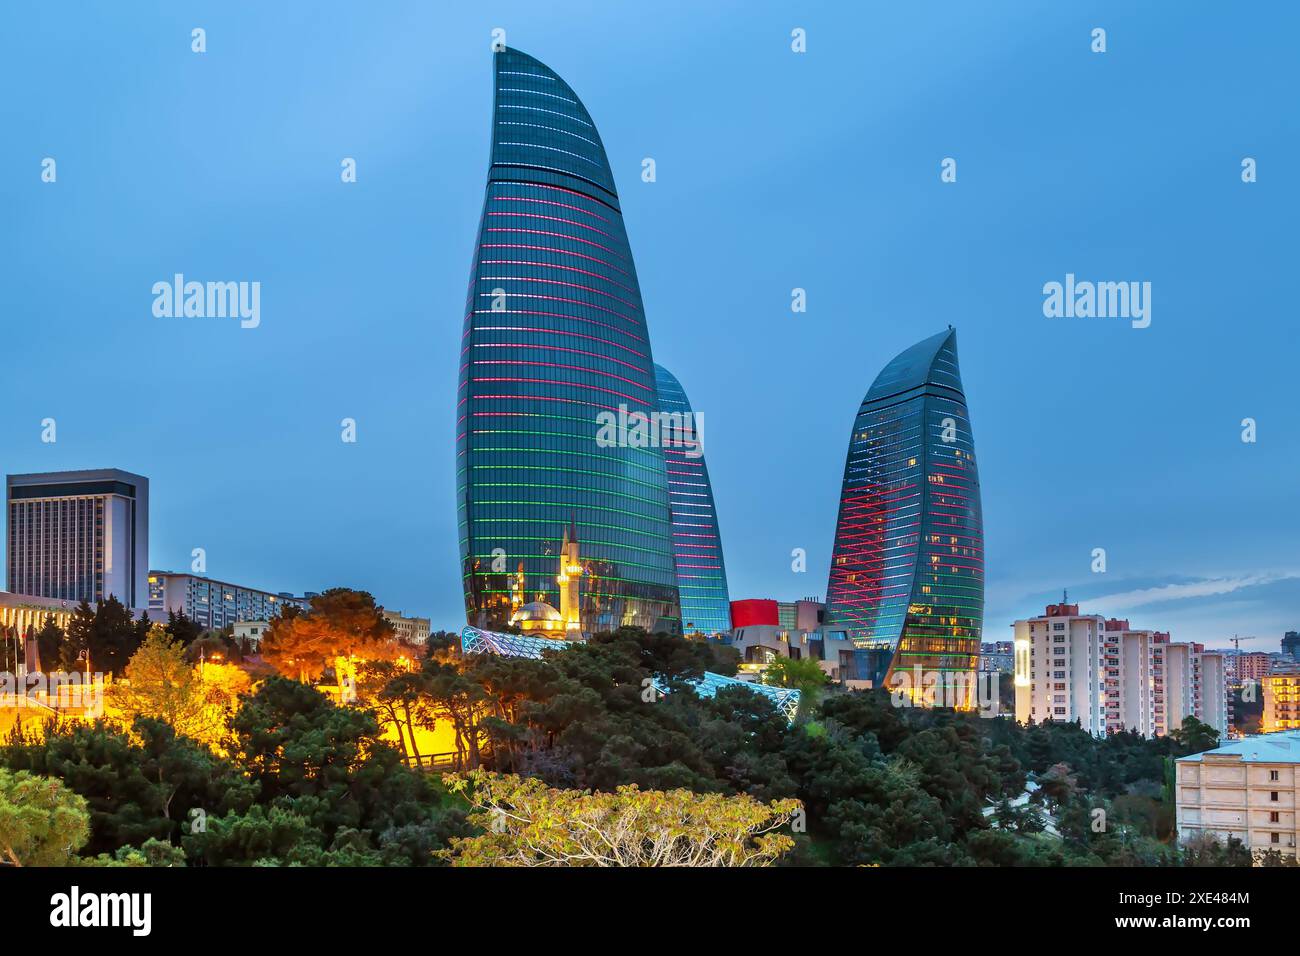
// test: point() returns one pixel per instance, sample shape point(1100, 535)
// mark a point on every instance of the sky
point(775, 170)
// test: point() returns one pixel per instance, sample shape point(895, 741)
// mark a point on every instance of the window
point(1272, 775)
point(1274, 817)
point(1275, 838)
point(1273, 796)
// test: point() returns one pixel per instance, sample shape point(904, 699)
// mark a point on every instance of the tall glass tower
point(697, 543)
point(907, 570)
point(555, 337)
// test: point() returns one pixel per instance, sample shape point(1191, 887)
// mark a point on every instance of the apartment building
point(211, 603)
point(1281, 694)
point(1112, 677)
point(1245, 789)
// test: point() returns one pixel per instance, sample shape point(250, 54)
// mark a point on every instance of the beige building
point(24, 613)
point(1246, 789)
point(413, 630)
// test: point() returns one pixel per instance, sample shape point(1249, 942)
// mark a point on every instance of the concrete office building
point(78, 535)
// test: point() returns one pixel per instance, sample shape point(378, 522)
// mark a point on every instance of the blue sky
point(775, 171)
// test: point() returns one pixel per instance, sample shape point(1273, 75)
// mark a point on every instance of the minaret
point(517, 590)
point(570, 581)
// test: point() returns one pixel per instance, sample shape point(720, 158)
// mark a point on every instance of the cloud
point(1206, 587)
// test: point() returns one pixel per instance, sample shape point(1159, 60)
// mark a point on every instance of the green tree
point(42, 823)
point(182, 629)
point(1194, 737)
point(113, 637)
point(803, 673)
point(49, 644)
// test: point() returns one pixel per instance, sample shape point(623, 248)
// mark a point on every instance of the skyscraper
point(697, 543)
point(555, 337)
point(79, 535)
point(907, 570)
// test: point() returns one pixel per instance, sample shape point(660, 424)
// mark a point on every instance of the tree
point(148, 783)
point(340, 623)
point(113, 637)
point(182, 628)
point(80, 627)
point(49, 644)
point(42, 823)
point(161, 683)
point(326, 763)
point(526, 823)
point(803, 673)
point(1194, 737)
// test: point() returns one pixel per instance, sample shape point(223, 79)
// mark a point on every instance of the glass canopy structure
point(907, 569)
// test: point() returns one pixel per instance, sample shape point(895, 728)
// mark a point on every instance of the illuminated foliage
point(527, 823)
point(339, 623)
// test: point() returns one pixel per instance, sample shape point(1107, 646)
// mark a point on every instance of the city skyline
point(1082, 422)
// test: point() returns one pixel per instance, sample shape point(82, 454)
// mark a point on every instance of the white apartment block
point(1246, 789)
point(211, 603)
point(1111, 677)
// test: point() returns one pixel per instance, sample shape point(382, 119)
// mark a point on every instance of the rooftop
point(1281, 747)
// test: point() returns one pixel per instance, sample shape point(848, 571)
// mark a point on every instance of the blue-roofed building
point(1244, 789)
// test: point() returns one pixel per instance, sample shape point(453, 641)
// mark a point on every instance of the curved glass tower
point(907, 570)
point(555, 336)
point(697, 543)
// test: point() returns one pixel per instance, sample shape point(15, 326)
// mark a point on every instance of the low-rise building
point(25, 612)
point(1245, 789)
point(412, 630)
point(760, 636)
point(250, 631)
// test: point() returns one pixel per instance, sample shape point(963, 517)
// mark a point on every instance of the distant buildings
point(761, 633)
point(211, 603)
point(998, 657)
point(555, 339)
point(1249, 665)
point(412, 630)
point(1111, 677)
point(1245, 789)
point(907, 566)
point(1291, 645)
point(1281, 695)
point(78, 535)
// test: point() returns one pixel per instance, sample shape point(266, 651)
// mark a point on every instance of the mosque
point(539, 619)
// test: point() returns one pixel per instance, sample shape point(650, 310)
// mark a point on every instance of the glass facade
point(555, 343)
point(697, 543)
point(907, 570)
